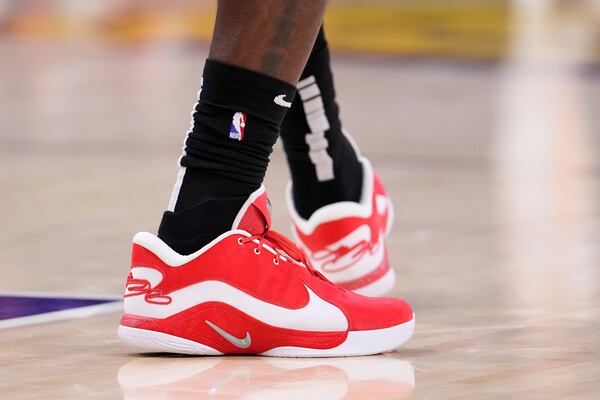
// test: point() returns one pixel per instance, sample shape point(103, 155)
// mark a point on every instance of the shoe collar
point(169, 256)
point(253, 218)
point(336, 211)
point(255, 214)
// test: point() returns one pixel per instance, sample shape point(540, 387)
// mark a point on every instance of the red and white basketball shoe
point(345, 241)
point(251, 291)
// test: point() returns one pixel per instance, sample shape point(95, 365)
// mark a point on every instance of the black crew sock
point(324, 166)
point(235, 125)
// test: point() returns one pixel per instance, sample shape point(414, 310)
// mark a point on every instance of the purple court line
point(24, 309)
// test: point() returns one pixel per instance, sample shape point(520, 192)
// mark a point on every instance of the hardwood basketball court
point(490, 153)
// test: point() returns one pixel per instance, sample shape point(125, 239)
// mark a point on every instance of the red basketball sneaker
point(251, 291)
point(346, 241)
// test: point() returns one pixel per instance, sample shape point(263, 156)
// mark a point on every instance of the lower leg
point(258, 51)
point(324, 166)
point(273, 37)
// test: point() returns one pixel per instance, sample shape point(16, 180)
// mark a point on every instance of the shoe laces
point(282, 247)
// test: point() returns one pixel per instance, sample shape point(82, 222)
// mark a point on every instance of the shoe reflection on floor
point(158, 376)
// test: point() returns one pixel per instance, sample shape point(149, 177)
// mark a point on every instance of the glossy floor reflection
point(158, 377)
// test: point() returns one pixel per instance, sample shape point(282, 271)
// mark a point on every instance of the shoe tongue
point(255, 215)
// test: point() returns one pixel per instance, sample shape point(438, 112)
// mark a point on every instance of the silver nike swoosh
point(243, 343)
point(280, 100)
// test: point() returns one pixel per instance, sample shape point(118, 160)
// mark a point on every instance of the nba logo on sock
point(238, 124)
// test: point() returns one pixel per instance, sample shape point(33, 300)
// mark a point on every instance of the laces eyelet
point(240, 241)
point(275, 261)
point(256, 251)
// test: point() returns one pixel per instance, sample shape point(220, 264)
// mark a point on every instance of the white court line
point(79, 312)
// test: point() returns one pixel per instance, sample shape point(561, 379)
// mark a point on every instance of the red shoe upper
point(250, 276)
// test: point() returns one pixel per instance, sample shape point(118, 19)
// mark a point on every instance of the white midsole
point(357, 343)
point(147, 340)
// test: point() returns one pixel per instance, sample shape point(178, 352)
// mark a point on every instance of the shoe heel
point(380, 287)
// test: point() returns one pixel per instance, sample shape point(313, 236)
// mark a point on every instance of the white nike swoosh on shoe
point(243, 343)
point(316, 315)
point(280, 101)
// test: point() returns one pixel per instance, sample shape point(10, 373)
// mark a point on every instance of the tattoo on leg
point(271, 62)
point(285, 25)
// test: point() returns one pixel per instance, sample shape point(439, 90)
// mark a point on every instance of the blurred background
point(482, 117)
point(482, 114)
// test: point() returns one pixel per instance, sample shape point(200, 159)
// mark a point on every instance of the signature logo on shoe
point(359, 246)
point(242, 343)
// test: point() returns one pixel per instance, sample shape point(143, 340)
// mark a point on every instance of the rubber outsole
point(358, 343)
